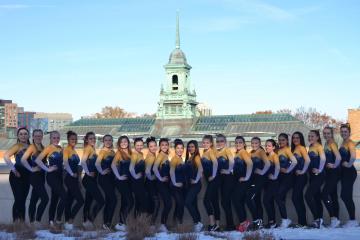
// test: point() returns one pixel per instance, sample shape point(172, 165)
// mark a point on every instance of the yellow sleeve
point(212, 155)
point(333, 147)
point(245, 155)
point(320, 149)
point(197, 161)
point(276, 159)
point(101, 155)
point(263, 155)
point(159, 159)
point(229, 154)
point(150, 160)
point(66, 153)
point(87, 151)
point(303, 152)
point(351, 146)
point(289, 153)
point(13, 150)
point(134, 158)
point(174, 162)
point(29, 151)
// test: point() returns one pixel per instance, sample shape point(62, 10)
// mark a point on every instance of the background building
point(8, 118)
point(354, 120)
point(52, 121)
point(204, 109)
point(25, 118)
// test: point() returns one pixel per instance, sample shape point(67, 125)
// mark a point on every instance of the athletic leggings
point(154, 201)
point(253, 196)
point(270, 193)
point(164, 191)
point(106, 182)
point(191, 201)
point(58, 195)
point(298, 198)
point(286, 182)
point(20, 187)
point(211, 198)
point(179, 196)
point(226, 188)
point(348, 177)
point(73, 193)
point(127, 200)
point(37, 181)
point(141, 200)
point(239, 199)
point(92, 193)
point(329, 192)
point(313, 195)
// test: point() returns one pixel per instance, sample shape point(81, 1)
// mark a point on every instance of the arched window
point(175, 83)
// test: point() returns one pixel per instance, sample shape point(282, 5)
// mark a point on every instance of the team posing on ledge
point(237, 179)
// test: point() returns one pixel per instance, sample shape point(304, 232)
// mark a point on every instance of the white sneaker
point(68, 226)
point(198, 227)
point(351, 224)
point(334, 222)
point(120, 227)
point(37, 224)
point(87, 224)
point(105, 227)
point(52, 224)
point(163, 228)
point(285, 223)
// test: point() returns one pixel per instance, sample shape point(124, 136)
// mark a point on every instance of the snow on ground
point(291, 234)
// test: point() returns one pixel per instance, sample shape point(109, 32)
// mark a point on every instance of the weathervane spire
point(177, 44)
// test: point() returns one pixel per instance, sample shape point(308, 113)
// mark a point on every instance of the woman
point(272, 182)
point(299, 150)
point(106, 179)
point(332, 176)
point(261, 165)
point(37, 178)
point(194, 172)
point(211, 197)
point(150, 180)
point(71, 163)
point(225, 166)
point(317, 176)
point(54, 176)
point(162, 172)
point(137, 172)
point(348, 173)
point(177, 176)
point(242, 172)
point(89, 181)
point(286, 177)
point(120, 167)
point(19, 176)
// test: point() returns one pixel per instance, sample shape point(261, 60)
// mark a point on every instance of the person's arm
point(7, 158)
point(40, 163)
point(173, 163)
point(277, 166)
point(29, 151)
point(132, 167)
point(214, 164)
point(293, 161)
point(266, 161)
point(230, 156)
point(98, 164)
point(156, 169)
point(306, 157)
point(249, 165)
point(336, 152)
point(322, 158)
point(114, 168)
point(199, 169)
point(84, 158)
point(352, 151)
point(66, 154)
point(149, 163)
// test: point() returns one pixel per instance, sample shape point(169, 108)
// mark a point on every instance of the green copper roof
point(114, 121)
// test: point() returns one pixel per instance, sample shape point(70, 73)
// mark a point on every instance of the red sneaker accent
point(242, 227)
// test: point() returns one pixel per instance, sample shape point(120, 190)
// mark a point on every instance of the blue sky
point(247, 55)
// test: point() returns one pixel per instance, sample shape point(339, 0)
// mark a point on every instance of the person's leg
point(347, 182)
point(298, 198)
point(191, 203)
point(164, 192)
point(270, 191)
point(40, 190)
point(227, 183)
point(285, 184)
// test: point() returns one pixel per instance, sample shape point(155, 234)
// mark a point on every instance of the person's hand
point(178, 184)
point(165, 179)
point(52, 168)
point(91, 174)
point(242, 179)
point(258, 171)
point(138, 176)
point(16, 173)
point(283, 170)
point(330, 165)
point(225, 171)
point(74, 175)
point(346, 164)
point(315, 171)
point(123, 177)
point(211, 178)
point(35, 169)
point(106, 171)
point(193, 181)
point(271, 176)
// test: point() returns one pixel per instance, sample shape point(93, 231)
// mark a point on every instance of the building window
point(175, 83)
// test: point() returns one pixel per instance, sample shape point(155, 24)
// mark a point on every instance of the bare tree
point(114, 112)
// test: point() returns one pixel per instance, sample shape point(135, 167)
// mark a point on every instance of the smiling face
point(269, 147)
point(164, 146)
point(206, 143)
point(313, 138)
point(179, 150)
point(296, 139)
point(191, 148)
point(72, 140)
point(92, 140)
point(124, 144)
point(23, 136)
point(283, 142)
point(239, 144)
point(139, 145)
point(55, 138)
point(327, 133)
point(152, 147)
point(220, 142)
point(344, 133)
point(38, 137)
point(108, 142)
point(255, 144)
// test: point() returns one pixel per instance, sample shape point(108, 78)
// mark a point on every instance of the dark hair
point(210, 138)
point(86, 138)
point(17, 134)
point(178, 142)
point(138, 139)
point(149, 140)
point(33, 133)
point(220, 136)
point(286, 136)
point(274, 144)
point(70, 134)
point(242, 139)
point(257, 139)
point(188, 156)
point(317, 133)
point(108, 135)
point(163, 140)
point(346, 125)
point(302, 140)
